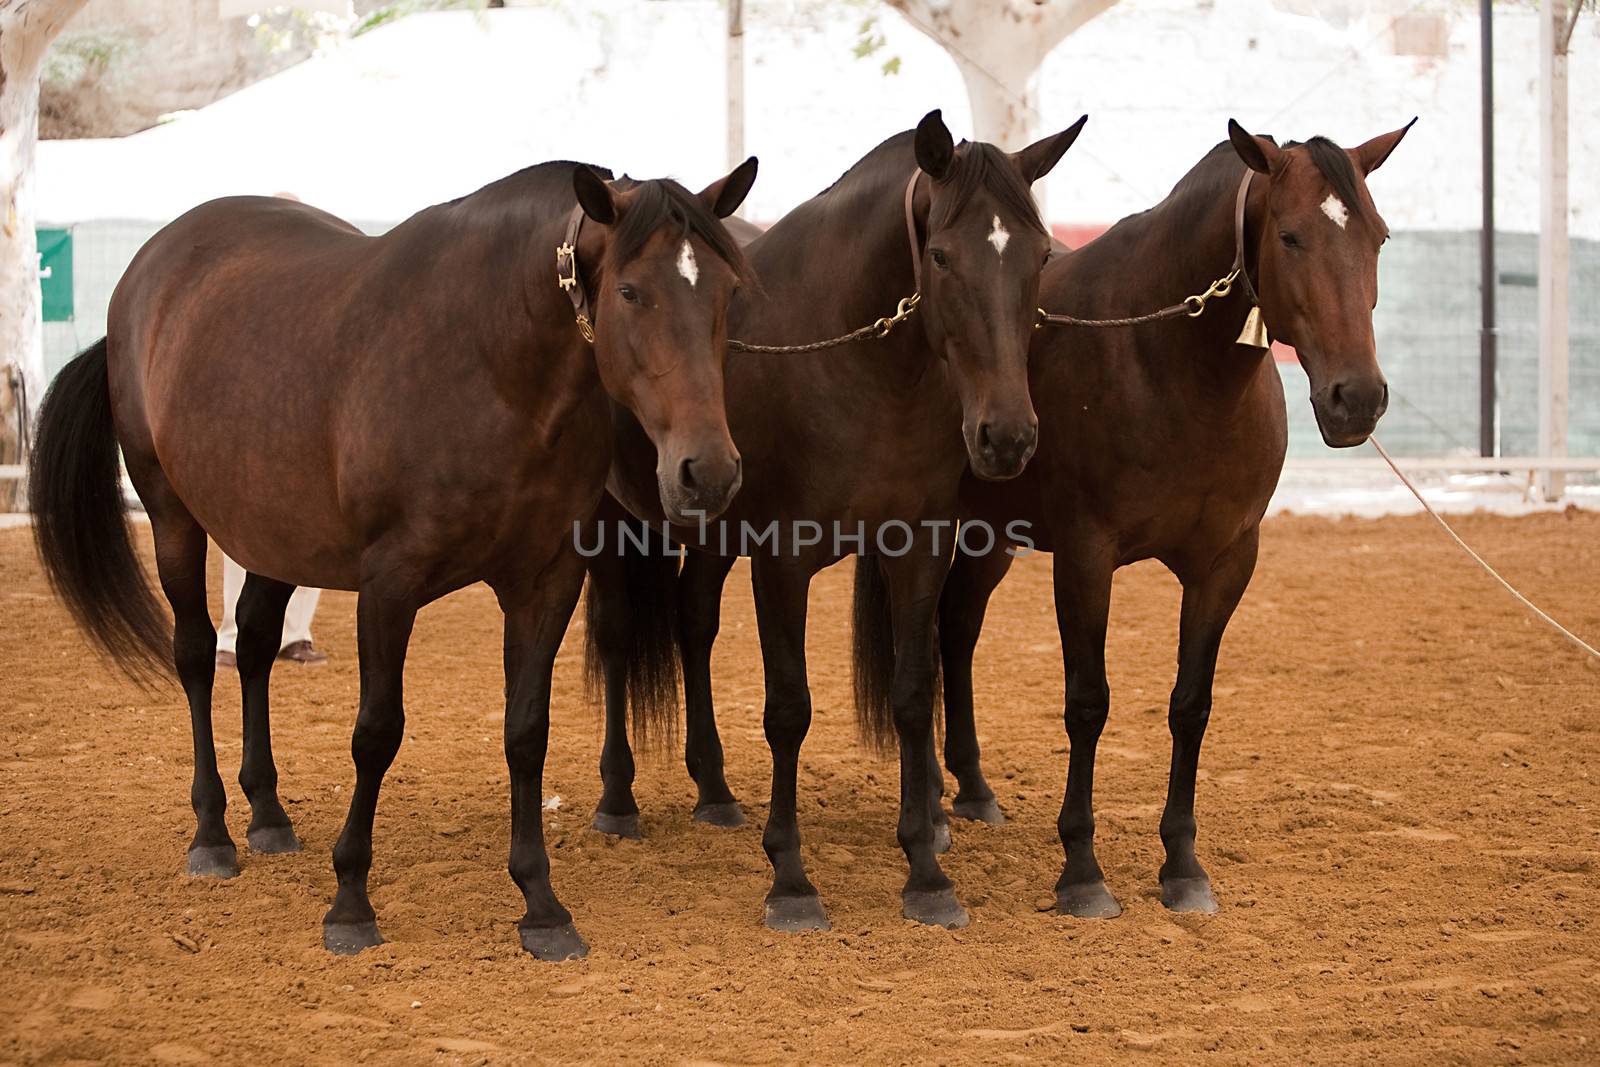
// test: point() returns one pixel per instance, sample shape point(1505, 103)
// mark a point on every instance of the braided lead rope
point(1530, 605)
point(1192, 306)
point(874, 330)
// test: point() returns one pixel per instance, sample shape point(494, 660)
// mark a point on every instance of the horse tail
point(638, 625)
point(872, 639)
point(80, 524)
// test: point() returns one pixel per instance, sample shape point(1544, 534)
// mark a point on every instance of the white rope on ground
point(1530, 605)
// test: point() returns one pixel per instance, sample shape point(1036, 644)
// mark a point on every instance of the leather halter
point(568, 278)
point(911, 231)
point(1238, 236)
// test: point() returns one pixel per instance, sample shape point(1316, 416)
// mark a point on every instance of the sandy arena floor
point(1398, 808)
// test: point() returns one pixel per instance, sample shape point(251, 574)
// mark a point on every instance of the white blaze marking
point(1334, 208)
point(691, 270)
point(999, 237)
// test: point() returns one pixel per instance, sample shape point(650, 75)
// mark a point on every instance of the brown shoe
point(304, 653)
point(227, 660)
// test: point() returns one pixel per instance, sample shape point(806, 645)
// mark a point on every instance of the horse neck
point(838, 262)
point(1171, 254)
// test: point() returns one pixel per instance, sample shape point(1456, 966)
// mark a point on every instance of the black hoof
point(934, 908)
point(214, 861)
point(1087, 900)
point(941, 837)
point(617, 825)
point(791, 915)
point(978, 810)
point(553, 943)
point(729, 816)
point(273, 839)
point(1188, 894)
point(347, 939)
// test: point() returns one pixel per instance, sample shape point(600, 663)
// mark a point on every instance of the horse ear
point(1258, 153)
point(724, 195)
point(1370, 156)
point(594, 195)
point(1039, 158)
point(934, 145)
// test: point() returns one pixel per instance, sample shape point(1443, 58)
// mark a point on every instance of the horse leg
point(384, 617)
point(537, 614)
point(936, 812)
point(780, 593)
point(260, 620)
point(962, 605)
point(1209, 600)
point(181, 565)
point(1083, 602)
point(699, 616)
point(913, 582)
point(609, 619)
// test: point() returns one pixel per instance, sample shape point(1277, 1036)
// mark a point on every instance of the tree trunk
point(999, 46)
point(26, 29)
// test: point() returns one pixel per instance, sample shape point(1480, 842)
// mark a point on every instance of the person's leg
point(297, 644)
point(228, 632)
point(297, 617)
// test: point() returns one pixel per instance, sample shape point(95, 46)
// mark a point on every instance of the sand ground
point(1397, 806)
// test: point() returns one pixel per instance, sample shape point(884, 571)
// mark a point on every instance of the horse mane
point(663, 202)
point(657, 202)
point(977, 165)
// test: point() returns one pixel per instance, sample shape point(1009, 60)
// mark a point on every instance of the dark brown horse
point(402, 416)
point(856, 449)
point(1166, 441)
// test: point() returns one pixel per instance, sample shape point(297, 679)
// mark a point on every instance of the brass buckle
point(585, 329)
point(566, 258)
point(902, 312)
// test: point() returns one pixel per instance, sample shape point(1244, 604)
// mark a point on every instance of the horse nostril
point(1336, 397)
point(685, 475)
point(984, 441)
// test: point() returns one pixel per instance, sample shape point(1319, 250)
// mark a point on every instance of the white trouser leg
point(232, 586)
point(297, 619)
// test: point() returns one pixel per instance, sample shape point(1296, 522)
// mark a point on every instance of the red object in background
point(1078, 234)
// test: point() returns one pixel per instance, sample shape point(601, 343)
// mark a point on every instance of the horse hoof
point(1189, 894)
point(347, 939)
point(617, 825)
point(214, 861)
point(986, 810)
point(273, 839)
point(791, 915)
point(553, 943)
point(729, 815)
point(934, 908)
point(941, 837)
point(1087, 900)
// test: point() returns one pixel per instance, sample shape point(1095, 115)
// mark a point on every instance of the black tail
point(80, 524)
point(872, 634)
point(641, 630)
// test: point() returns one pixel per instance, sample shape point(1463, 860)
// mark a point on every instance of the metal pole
point(736, 153)
point(1554, 244)
point(1488, 415)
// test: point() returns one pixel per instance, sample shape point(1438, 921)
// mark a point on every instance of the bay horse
point(399, 415)
point(870, 437)
point(1165, 441)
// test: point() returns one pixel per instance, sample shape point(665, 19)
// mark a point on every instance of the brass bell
point(1254, 333)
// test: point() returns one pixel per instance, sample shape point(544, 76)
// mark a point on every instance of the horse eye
point(939, 259)
point(629, 293)
point(1289, 240)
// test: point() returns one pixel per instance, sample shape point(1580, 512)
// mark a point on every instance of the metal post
point(736, 153)
point(1488, 413)
point(1554, 246)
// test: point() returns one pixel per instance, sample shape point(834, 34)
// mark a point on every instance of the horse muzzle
point(999, 449)
point(700, 484)
point(1348, 410)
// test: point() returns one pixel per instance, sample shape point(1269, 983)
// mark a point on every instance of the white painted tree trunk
point(999, 46)
point(26, 29)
